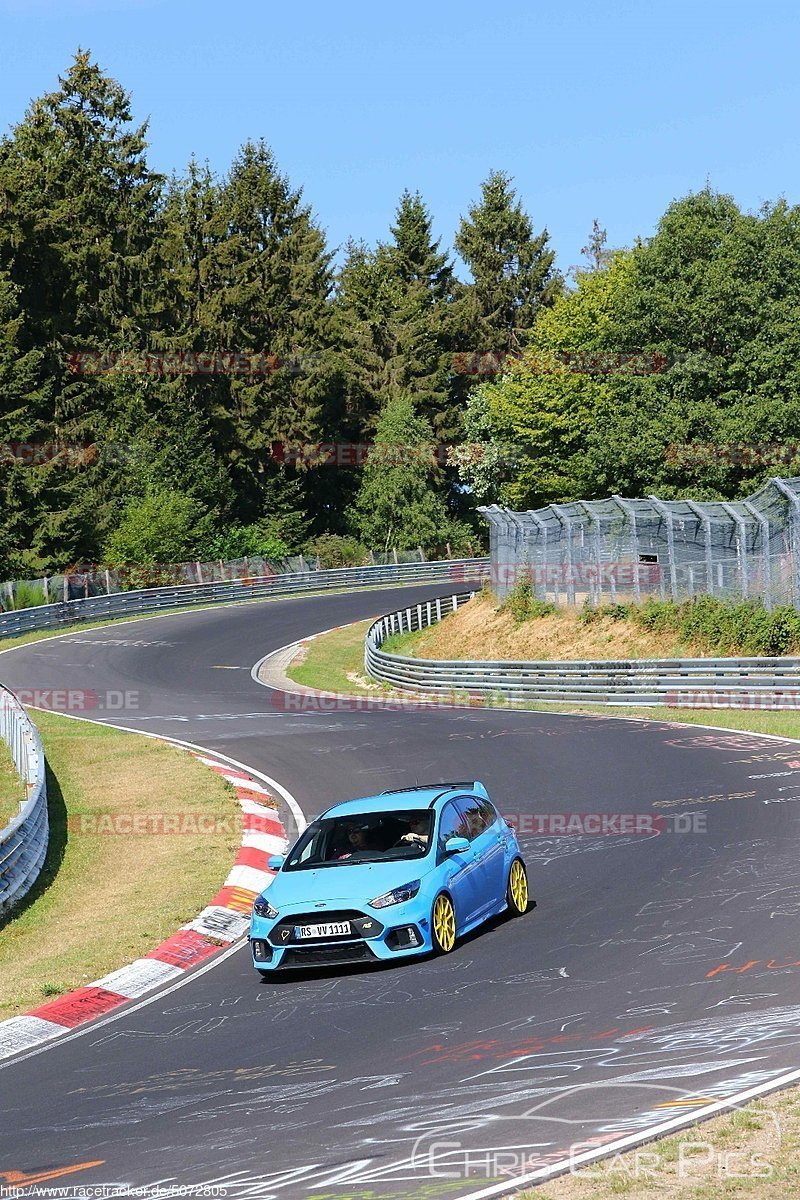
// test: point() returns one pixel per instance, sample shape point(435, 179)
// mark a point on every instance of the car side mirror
point(275, 862)
point(456, 845)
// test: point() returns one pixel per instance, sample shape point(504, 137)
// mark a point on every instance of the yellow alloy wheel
point(518, 888)
point(444, 924)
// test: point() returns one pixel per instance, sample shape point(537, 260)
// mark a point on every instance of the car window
point(452, 823)
point(476, 817)
point(362, 837)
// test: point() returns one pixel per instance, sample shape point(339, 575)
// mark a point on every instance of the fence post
point(566, 520)
point(705, 521)
point(741, 546)
point(794, 537)
point(765, 533)
point(666, 516)
point(596, 589)
point(629, 514)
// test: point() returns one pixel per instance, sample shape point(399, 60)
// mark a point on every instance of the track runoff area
point(657, 980)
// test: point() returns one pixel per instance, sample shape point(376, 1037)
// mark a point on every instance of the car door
point(490, 851)
point(459, 872)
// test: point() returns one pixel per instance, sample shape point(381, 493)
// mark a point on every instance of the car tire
point(443, 924)
point(517, 889)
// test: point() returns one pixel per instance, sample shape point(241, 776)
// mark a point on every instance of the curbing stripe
point(83, 1004)
point(222, 922)
point(19, 1033)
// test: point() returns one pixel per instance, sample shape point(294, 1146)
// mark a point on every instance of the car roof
point(402, 800)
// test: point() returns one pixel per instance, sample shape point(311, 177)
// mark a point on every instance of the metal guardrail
point(148, 600)
point(680, 683)
point(23, 842)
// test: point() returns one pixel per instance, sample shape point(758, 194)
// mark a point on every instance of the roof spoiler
point(442, 786)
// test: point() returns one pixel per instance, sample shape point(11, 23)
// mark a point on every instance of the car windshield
point(362, 838)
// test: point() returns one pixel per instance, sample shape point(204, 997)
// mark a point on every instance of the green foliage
point(100, 254)
point(397, 503)
point(522, 604)
point(721, 627)
point(696, 342)
point(160, 527)
point(26, 595)
point(245, 541)
point(612, 612)
point(335, 550)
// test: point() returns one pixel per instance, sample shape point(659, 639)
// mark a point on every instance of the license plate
point(334, 929)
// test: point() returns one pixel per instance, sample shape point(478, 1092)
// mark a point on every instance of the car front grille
point(319, 956)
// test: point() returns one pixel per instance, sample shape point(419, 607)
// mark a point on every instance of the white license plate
point(334, 929)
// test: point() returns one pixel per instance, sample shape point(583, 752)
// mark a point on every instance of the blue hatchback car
point(390, 876)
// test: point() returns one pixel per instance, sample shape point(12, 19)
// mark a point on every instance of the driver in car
point(417, 832)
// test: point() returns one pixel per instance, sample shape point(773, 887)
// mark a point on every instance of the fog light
point(262, 951)
point(404, 938)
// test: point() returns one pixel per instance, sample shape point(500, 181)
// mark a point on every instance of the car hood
point(359, 883)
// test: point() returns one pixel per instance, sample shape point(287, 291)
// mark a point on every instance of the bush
point(333, 550)
point(613, 612)
point(163, 526)
point(724, 627)
point(246, 541)
point(523, 605)
point(26, 595)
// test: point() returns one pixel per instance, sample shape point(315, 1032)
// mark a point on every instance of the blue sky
point(597, 109)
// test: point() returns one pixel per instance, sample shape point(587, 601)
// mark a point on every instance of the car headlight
point(407, 892)
point(263, 908)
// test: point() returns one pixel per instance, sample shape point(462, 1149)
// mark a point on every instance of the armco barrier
point(680, 683)
point(23, 842)
point(149, 600)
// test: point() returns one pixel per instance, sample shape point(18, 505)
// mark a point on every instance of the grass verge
point(334, 662)
point(105, 898)
point(12, 789)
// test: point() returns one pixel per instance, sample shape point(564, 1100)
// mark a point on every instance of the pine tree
point(77, 208)
point(273, 300)
point(512, 268)
point(397, 316)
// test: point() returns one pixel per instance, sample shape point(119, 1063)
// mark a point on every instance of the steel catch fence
point(605, 551)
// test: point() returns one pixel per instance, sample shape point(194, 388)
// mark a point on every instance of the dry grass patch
point(104, 899)
point(479, 630)
point(753, 1152)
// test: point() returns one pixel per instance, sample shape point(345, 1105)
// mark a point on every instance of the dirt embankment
point(480, 631)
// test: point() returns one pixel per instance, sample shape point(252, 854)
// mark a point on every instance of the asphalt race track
point(657, 972)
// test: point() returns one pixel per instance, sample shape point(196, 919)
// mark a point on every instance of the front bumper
point(400, 931)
